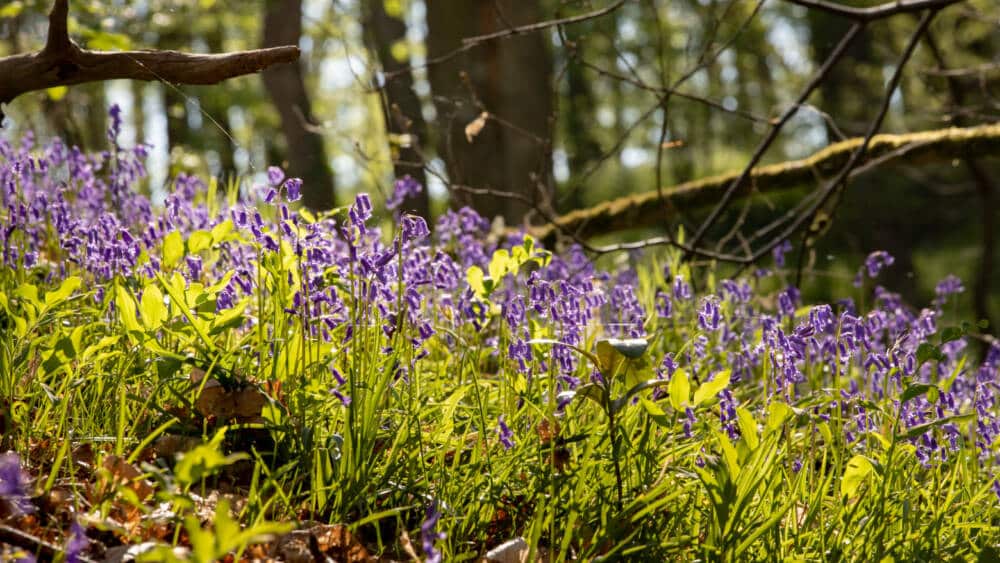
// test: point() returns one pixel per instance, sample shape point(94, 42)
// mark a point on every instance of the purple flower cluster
point(406, 290)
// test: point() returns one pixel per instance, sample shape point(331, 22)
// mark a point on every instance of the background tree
point(511, 80)
point(286, 87)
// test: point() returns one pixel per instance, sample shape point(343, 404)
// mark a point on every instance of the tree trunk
point(287, 89)
point(509, 78)
point(401, 107)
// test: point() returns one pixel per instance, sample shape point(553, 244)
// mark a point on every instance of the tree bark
point(286, 87)
point(401, 108)
point(511, 79)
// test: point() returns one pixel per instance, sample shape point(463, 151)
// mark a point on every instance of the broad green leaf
point(474, 275)
point(927, 351)
point(204, 460)
point(126, 309)
point(748, 427)
point(680, 390)
point(29, 293)
point(173, 249)
point(220, 231)
point(777, 414)
point(613, 351)
point(66, 288)
point(913, 391)
point(499, 265)
point(857, 471)
point(708, 390)
point(152, 308)
point(729, 453)
point(199, 240)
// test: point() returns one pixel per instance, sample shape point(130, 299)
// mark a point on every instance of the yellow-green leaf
point(173, 249)
point(748, 427)
point(152, 309)
point(857, 471)
point(777, 414)
point(680, 390)
point(66, 288)
point(474, 275)
point(220, 231)
point(499, 265)
point(708, 390)
point(199, 240)
point(126, 309)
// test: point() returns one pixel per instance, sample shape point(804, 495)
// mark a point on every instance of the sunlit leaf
point(680, 390)
point(857, 472)
point(708, 390)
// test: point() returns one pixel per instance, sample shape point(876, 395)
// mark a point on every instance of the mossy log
point(647, 209)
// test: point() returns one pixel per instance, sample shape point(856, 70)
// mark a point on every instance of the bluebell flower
point(429, 534)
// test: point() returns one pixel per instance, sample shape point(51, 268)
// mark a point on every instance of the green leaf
point(204, 460)
point(474, 275)
point(152, 308)
point(173, 249)
point(927, 351)
point(220, 231)
point(951, 334)
point(748, 427)
point(66, 288)
point(777, 414)
point(199, 240)
point(680, 390)
point(708, 390)
point(500, 265)
point(857, 471)
point(918, 430)
point(613, 351)
point(913, 391)
point(126, 309)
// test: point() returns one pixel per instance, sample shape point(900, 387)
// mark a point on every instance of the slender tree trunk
point(509, 78)
point(401, 108)
point(287, 89)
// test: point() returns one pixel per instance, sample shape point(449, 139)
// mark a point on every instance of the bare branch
point(539, 26)
point(859, 154)
point(63, 63)
point(645, 209)
point(772, 135)
point(873, 13)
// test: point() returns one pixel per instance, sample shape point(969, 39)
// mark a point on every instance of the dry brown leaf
point(171, 445)
point(476, 126)
point(216, 401)
point(127, 473)
point(338, 542)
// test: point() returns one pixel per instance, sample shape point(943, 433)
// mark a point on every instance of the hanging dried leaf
point(476, 126)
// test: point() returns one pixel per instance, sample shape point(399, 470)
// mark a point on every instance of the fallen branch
point(63, 63)
point(646, 209)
